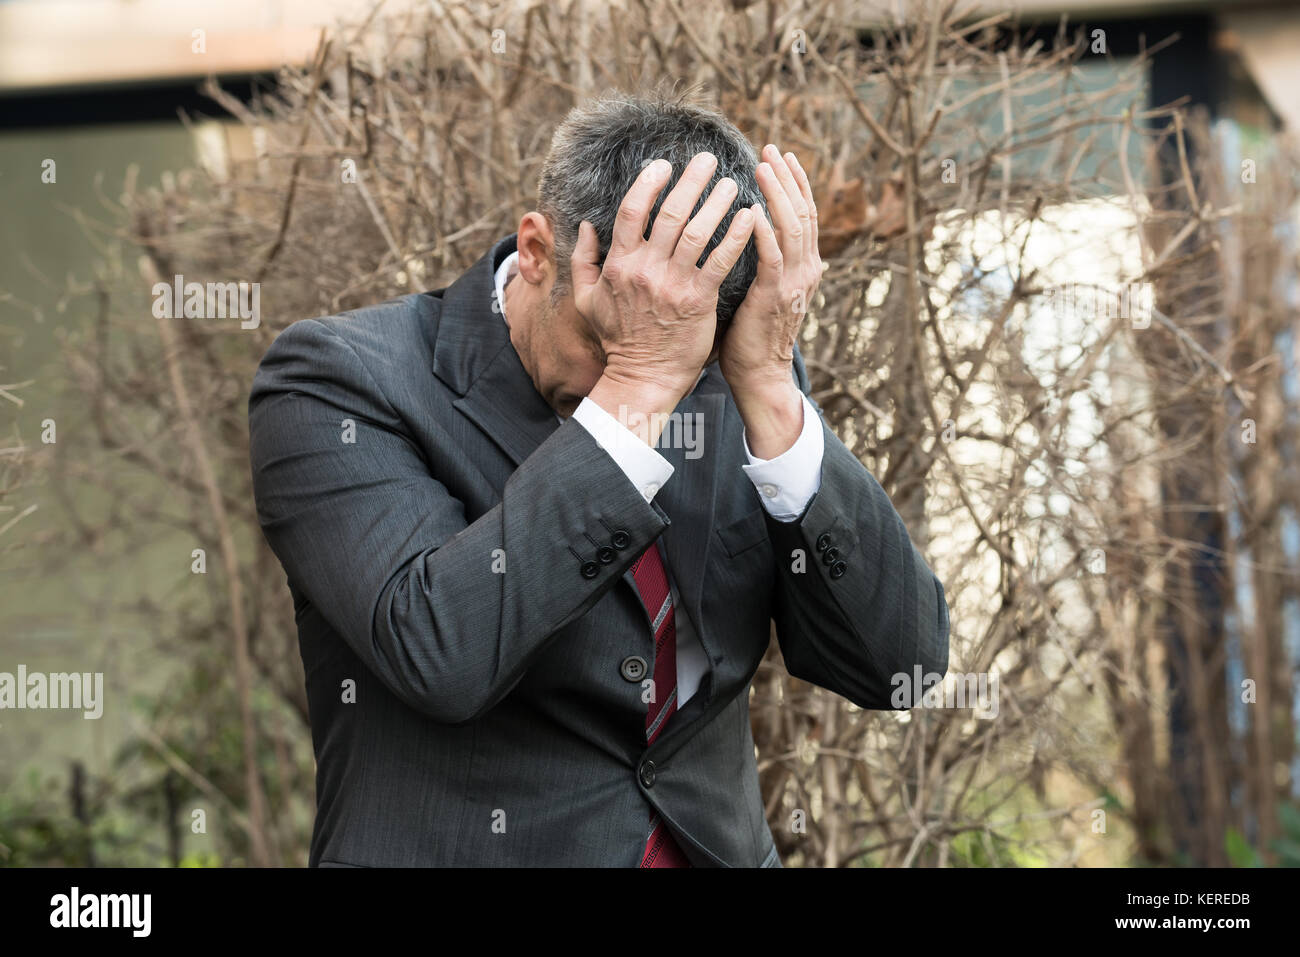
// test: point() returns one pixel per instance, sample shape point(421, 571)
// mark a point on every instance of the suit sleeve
point(865, 607)
point(447, 613)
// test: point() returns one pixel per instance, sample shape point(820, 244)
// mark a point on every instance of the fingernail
point(743, 217)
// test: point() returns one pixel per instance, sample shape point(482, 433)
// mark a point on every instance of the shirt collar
point(505, 272)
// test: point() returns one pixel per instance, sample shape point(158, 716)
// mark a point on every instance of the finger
point(791, 188)
point(769, 250)
point(805, 190)
point(704, 224)
point(726, 253)
point(584, 263)
point(676, 209)
point(788, 228)
point(634, 211)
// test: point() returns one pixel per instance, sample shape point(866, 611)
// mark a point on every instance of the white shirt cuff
point(787, 483)
point(645, 468)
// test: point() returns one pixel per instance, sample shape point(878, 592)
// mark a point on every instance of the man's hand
point(758, 350)
point(653, 309)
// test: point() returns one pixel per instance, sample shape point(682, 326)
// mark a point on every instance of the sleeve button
point(837, 570)
point(830, 555)
point(605, 554)
point(590, 569)
point(620, 539)
point(823, 541)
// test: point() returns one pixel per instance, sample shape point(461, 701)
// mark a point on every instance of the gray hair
point(601, 147)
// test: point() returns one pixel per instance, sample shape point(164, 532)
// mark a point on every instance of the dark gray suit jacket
point(490, 722)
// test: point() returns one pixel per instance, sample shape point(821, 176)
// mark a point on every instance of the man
point(529, 633)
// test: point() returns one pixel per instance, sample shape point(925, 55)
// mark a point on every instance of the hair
point(601, 147)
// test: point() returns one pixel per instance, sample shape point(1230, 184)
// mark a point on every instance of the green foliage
point(35, 830)
point(38, 828)
point(982, 849)
point(1287, 847)
point(141, 798)
point(1241, 853)
point(201, 859)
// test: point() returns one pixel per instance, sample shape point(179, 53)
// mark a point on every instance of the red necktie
point(652, 582)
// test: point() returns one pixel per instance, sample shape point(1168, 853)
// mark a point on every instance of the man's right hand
point(652, 308)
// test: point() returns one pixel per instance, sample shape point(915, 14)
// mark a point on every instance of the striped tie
point(652, 582)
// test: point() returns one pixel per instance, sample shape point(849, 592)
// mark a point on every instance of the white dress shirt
point(785, 484)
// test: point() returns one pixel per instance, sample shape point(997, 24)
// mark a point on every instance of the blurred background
point(1058, 323)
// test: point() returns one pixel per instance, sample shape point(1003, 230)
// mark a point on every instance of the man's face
point(568, 359)
point(555, 343)
point(550, 336)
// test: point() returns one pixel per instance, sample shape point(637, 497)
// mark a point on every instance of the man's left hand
point(758, 350)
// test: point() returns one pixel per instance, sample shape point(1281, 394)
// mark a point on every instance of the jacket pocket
point(744, 533)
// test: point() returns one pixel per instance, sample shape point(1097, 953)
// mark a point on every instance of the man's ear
point(536, 243)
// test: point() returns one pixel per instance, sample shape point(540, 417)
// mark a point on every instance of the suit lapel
point(503, 403)
point(473, 356)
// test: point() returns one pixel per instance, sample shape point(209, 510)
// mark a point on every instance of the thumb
point(584, 264)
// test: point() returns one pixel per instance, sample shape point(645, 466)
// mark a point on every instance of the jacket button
point(837, 570)
point(632, 668)
point(605, 554)
point(620, 539)
point(648, 773)
point(830, 555)
point(823, 541)
point(590, 569)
